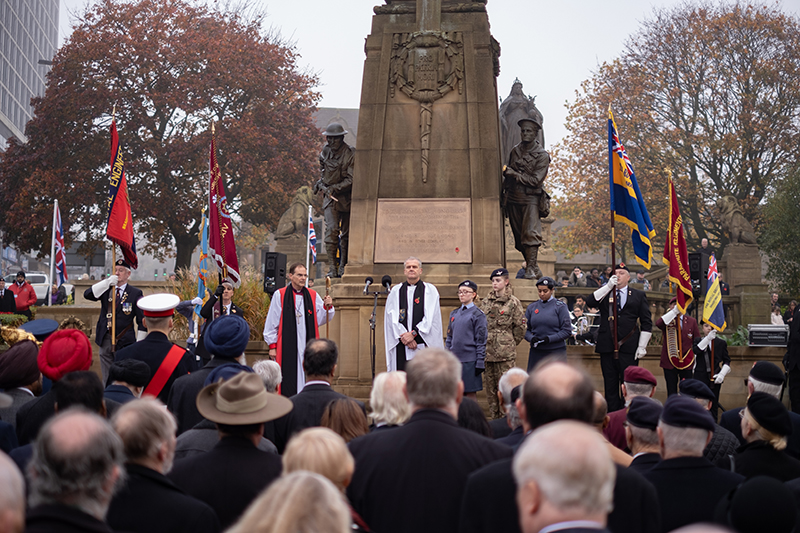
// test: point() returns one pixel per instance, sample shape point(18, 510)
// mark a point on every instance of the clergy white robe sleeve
point(392, 329)
point(323, 315)
point(273, 320)
point(430, 327)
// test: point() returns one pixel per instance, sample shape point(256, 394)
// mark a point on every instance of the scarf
point(416, 317)
point(288, 335)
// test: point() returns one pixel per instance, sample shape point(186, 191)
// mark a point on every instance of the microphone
point(367, 283)
point(386, 281)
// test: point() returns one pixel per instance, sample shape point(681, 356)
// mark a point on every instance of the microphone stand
point(372, 324)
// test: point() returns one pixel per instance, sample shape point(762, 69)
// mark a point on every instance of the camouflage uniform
point(505, 317)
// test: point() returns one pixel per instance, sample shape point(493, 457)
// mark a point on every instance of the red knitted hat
point(65, 351)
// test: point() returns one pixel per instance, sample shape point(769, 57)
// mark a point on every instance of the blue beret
point(40, 328)
point(695, 388)
point(768, 373)
point(499, 272)
point(547, 282)
point(644, 412)
point(227, 336)
point(225, 372)
point(470, 284)
point(684, 412)
point(770, 413)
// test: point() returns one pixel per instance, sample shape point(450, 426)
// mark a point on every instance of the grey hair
point(432, 378)
point(412, 258)
point(75, 473)
point(648, 437)
point(270, 373)
point(637, 389)
point(388, 400)
point(144, 425)
point(504, 385)
point(571, 465)
point(769, 388)
point(684, 441)
point(12, 487)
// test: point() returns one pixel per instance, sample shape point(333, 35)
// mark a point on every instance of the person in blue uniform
point(466, 338)
point(549, 325)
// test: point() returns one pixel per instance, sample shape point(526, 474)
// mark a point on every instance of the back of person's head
point(471, 417)
point(388, 399)
point(284, 506)
point(568, 465)
point(322, 451)
point(77, 461)
point(145, 426)
point(433, 378)
point(510, 380)
point(270, 372)
point(557, 391)
point(65, 351)
point(766, 376)
point(759, 504)
point(320, 357)
point(82, 388)
point(600, 410)
point(683, 441)
point(346, 418)
point(12, 496)
point(760, 386)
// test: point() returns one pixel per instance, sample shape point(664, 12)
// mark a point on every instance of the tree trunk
point(184, 246)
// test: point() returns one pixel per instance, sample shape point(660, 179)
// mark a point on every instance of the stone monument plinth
point(741, 265)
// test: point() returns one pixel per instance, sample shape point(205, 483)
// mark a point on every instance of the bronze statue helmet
point(536, 119)
point(334, 130)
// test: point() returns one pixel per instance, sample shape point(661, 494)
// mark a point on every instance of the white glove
point(140, 335)
point(644, 338)
point(103, 285)
point(600, 293)
point(197, 301)
point(703, 344)
point(719, 378)
point(670, 315)
point(712, 334)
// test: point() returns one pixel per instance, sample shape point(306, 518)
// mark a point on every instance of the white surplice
point(429, 328)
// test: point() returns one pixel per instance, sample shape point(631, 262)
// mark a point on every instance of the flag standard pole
point(308, 241)
point(49, 294)
point(113, 303)
point(613, 294)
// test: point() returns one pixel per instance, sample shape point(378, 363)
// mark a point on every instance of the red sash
point(164, 371)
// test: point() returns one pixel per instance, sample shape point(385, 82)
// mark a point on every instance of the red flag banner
point(221, 245)
point(119, 228)
point(676, 257)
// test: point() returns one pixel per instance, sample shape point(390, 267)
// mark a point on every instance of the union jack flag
point(61, 253)
point(312, 239)
point(713, 272)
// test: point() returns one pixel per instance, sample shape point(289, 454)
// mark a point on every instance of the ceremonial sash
point(674, 349)
point(418, 312)
point(164, 371)
point(287, 334)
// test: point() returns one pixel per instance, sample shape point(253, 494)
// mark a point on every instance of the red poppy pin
point(452, 319)
point(309, 311)
point(536, 311)
point(416, 300)
point(501, 311)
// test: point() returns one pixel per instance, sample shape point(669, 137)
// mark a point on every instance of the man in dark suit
point(565, 477)
point(149, 502)
point(633, 312)
point(166, 360)
point(412, 477)
point(319, 364)
point(127, 311)
point(641, 434)
point(235, 471)
point(226, 339)
point(555, 391)
point(7, 303)
point(689, 486)
point(764, 377)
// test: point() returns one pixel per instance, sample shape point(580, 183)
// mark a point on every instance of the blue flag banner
point(626, 198)
point(713, 310)
point(202, 274)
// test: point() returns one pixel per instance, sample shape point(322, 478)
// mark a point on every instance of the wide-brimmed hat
point(240, 401)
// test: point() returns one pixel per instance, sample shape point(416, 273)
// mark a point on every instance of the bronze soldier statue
point(335, 183)
point(524, 199)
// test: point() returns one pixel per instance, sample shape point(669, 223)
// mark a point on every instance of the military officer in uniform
point(677, 355)
point(505, 319)
point(336, 182)
point(127, 310)
point(167, 361)
point(218, 304)
point(522, 192)
point(548, 325)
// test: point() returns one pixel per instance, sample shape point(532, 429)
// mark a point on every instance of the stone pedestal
point(741, 265)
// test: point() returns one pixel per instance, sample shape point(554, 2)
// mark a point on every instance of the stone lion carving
point(739, 230)
point(294, 220)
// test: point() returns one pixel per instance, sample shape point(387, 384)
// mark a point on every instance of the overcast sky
point(550, 46)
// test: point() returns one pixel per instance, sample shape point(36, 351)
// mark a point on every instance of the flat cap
point(499, 272)
point(130, 371)
point(694, 388)
point(637, 374)
point(770, 413)
point(768, 373)
point(644, 412)
point(684, 412)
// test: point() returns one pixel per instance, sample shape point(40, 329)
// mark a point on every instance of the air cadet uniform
point(549, 326)
point(466, 338)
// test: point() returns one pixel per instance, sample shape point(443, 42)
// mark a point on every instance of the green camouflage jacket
point(505, 316)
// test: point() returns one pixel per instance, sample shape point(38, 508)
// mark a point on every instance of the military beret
point(673, 300)
point(684, 412)
point(695, 388)
point(546, 281)
point(227, 336)
point(130, 371)
point(469, 284)
point(770, 413)
point(123, 263)
point(499, 272)
point(768, 373)
point(225, 372)
point(644, 412)
point(637, 374)
point(622, 266)
point(40, 328)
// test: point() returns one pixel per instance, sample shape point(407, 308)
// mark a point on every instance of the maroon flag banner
point(221, 244)
point(119, 228)
point(676, 257)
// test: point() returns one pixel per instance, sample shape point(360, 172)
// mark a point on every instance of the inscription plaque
point(435, 230)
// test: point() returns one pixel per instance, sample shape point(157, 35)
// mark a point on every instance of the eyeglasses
point(741, 413)
point(465, 292)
